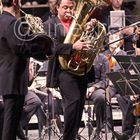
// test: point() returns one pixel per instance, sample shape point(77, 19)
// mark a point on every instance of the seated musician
point(96, 91)
point(114, 49)
point(40, 101)
point(126, 105)
point(32, 105)
point(136, 41)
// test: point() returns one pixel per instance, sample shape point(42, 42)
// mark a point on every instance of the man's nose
point(118, 0)
point(68, 9)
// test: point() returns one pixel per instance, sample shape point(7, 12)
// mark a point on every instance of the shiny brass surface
point(80, 62)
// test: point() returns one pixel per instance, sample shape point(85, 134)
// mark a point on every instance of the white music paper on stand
point(117, 19)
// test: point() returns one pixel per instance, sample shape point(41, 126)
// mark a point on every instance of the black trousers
point(128, 119)
point(33, 105)
point(98, 97)
point(126, 106)
point(13, 106)
point(73, 91)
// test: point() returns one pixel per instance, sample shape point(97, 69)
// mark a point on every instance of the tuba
point(39, 36)
point(80, 62)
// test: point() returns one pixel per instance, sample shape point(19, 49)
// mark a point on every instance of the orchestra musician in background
point(51, 104)
point(136, 41)
point(52, 10)
point(103, 15)
point(96, 92)
point(115, 5)
point(126, 105)
point(114, 49)
point(52, 6)
point(14, 66)
point(34, 104)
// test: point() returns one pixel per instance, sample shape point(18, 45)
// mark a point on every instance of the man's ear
point(16, 4)
point(109, 1)
point(57, 7)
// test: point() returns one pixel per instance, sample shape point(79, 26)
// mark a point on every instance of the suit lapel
point(60, 29)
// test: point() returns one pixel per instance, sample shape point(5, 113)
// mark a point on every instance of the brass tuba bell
point(80, 62)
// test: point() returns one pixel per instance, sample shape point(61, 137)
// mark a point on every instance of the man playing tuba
point(72, 87)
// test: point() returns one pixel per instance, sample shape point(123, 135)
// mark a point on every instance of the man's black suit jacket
point(56, 31)
point(14, 54)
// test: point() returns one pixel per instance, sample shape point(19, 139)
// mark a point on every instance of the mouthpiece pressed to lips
point(68, 15)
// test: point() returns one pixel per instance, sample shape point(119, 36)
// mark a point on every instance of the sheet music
point(117, 19)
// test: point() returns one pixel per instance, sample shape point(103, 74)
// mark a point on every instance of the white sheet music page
point(117, 19)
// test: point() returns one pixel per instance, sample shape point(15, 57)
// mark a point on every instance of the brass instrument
point(35, 23)
point(38, 35)
point(80, 62)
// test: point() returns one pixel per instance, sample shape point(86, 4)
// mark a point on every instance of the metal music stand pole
point(49, 116)
point(49, 113)
point(89, 121)
point(107, 103)
point(52, 116)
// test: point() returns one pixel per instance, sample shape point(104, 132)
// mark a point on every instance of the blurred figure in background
point(52, 6)
point(96, 93)
point(51, 11)
point(126, 105)
point(103, 15)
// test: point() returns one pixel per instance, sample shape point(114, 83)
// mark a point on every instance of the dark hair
point(58, 2)
point(7, 3)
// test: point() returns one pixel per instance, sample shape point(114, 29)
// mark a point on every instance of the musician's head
point(10, 3)
point(52, 6)
point(115, 41)
point(116, 4)
point(65, 9)
point(14, 4)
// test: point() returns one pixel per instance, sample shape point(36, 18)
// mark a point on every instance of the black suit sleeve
point(20, 44)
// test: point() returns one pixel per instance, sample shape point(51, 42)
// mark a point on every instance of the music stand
point(128, 81)
point(42, 71)
point(129, 63)
point(125, 83)
point(136, 63)
point(117, 19)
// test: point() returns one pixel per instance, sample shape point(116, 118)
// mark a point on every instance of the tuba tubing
point(80, 62)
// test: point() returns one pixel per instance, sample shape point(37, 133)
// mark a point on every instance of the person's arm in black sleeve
point(20, 44)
